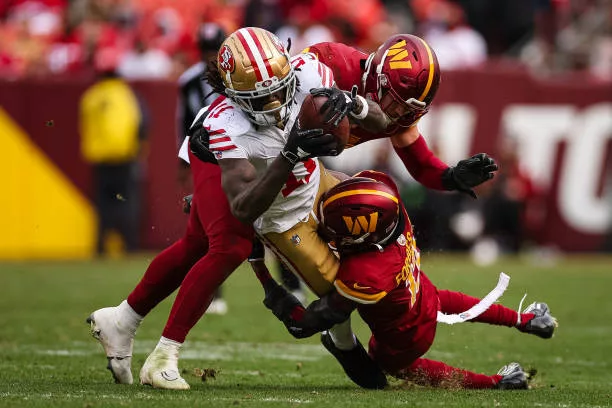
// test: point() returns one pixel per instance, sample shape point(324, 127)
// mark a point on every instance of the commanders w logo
point(400, 56)
point(361, 223)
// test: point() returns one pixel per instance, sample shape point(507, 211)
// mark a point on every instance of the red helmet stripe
point(266, 61)
point(359, 191)
point(431, 71)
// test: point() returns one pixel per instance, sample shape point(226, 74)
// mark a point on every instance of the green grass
point(47, 357)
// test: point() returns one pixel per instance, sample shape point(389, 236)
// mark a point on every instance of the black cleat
point(514, 378)
point(357, 364)
point(543, 324)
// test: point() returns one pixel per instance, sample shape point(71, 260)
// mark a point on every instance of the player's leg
point(535, 319)
point(229, 244)
point(115, 327)
point(438, 374)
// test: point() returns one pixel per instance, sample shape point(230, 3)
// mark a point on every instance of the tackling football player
point(401, 79)
point(380, 276)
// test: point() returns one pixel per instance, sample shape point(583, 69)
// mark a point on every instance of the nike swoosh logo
point(358, 286)
point(169, 376)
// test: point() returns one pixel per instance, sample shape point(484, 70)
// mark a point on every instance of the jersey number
point(412, 263)
point(292, 181)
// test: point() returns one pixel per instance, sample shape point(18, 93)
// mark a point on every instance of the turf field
point(48, 359)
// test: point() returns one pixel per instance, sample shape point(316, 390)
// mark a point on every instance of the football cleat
point(160, 370)
point(357, 364)
point(117, 342)
point(513, 378)
point(543, 323)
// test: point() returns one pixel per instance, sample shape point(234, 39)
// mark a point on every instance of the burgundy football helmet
point(403, 76)
point(359, 213)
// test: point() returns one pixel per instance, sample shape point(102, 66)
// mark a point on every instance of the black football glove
point(339, 103)
point(304, 143)
point(187, 203)
point(282, 304)
point(469, 173)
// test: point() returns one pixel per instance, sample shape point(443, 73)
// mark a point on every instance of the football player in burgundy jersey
point(380, 276)
point(402, 78)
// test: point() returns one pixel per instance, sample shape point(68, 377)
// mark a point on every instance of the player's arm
point(433, 173)
point(249, 195)
point(322, 314)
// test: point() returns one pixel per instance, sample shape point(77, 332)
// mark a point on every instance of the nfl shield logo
point(296, 239)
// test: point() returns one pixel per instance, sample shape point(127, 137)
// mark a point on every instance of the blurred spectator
point(143, 62)
point(112, 127)
point(457, 45)
point(302, 30)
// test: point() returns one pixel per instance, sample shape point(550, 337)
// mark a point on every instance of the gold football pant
point(303, 251)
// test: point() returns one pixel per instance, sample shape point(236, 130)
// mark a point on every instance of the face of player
point(402, 113)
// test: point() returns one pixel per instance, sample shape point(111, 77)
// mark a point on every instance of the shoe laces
point(520, 307)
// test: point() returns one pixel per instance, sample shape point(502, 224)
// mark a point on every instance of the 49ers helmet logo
point(226, 59)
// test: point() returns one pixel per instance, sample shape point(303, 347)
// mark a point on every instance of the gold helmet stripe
point(359, 191)
point(431, 71)
point(255, 57)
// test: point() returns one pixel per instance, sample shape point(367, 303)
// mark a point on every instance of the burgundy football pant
point(214, 245)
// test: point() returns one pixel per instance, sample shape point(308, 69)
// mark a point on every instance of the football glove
point(339, 103)
point(469, 173)
point(282, 304)
point(303, 144)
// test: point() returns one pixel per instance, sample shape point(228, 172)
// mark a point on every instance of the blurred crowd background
point(156, 38)
point(144, 40)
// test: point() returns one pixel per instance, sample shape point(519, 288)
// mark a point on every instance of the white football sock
point(343, 336)
point(167, 344)
point(128, 316)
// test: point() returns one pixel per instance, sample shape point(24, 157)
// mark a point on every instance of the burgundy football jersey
point(392, 292)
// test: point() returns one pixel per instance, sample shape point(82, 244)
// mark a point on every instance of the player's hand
point(469, 173)
point(299, 332)
point(305, 143)
point(282, 304)
point(339, 103)
point(187, 203)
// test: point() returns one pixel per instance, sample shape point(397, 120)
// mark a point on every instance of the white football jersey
point(233, 136)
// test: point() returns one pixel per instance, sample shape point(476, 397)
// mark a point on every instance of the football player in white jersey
point(270, 172)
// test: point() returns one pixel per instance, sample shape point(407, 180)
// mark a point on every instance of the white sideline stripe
point(480, 307)
point(261, 65)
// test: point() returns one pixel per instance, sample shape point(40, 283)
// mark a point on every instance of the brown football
point(310, 118)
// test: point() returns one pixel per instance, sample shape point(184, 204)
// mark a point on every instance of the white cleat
point(117, 341)
point(160, 370)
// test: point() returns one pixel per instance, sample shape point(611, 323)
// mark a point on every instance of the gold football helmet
point(257, 75)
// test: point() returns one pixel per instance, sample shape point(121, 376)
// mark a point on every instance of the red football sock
point(437, 374)
point(200, 284)
point(457, 302)
point(165, 274)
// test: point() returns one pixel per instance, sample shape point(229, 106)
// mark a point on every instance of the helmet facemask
point(271, 101)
